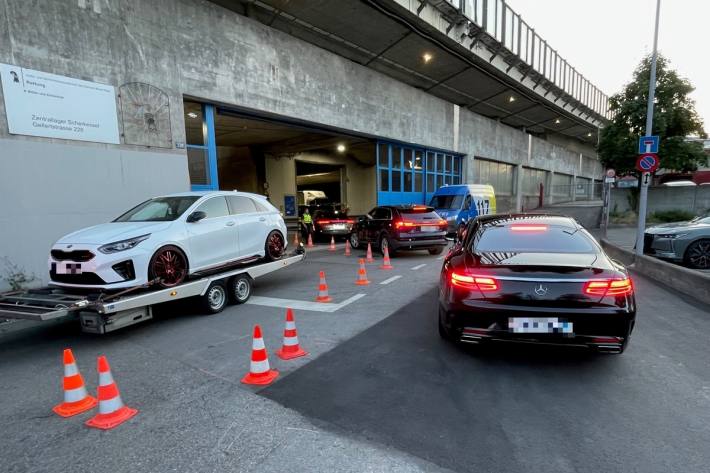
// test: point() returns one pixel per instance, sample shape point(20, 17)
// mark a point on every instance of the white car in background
point(168, 239)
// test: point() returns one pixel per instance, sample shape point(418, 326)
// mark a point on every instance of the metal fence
point(499, 21)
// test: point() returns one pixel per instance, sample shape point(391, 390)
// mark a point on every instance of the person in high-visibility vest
point(306, 223)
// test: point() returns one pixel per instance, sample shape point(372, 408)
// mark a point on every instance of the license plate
point(429, 229)
point(339, 226)
point(538, 325)
point(68, 268)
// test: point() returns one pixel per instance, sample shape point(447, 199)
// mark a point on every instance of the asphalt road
point(522, 409)
point(378, 392)
point(182, 371)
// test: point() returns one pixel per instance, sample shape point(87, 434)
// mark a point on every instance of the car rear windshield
point(330, 214)
point(446, 201)
point(161, 209)
point(528, 238)
point(419, 214)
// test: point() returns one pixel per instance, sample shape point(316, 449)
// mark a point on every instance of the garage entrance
point(287, 161)
point(318, 182)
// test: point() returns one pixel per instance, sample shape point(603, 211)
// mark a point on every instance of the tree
point(674, 118)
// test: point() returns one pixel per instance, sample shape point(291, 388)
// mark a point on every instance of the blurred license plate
point(68, 268)
point(338, 226)
point(538, 325)
point(429, 229)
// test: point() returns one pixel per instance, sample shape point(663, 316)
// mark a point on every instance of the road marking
point(393, 278)
point(419, 266)
point(302, 305)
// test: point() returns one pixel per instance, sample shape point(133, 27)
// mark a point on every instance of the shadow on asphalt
point(400, 384)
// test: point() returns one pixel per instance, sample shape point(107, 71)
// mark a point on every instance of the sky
point(606, 39)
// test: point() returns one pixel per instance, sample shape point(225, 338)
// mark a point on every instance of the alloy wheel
point(275, 245)
point(170, 267)
point(699, 254)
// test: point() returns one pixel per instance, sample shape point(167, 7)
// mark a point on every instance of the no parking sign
point(647, 162)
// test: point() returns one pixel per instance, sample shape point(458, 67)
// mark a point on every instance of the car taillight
point(609, 287)
point(405, 224)
point(322, 222)
point(470, 281)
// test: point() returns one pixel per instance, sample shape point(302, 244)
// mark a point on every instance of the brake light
point(469, 281)
point(405, 224)
point(322, 222)
point(609, 287)
point(528, 228)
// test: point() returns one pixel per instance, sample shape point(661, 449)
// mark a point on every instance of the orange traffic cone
point(368, 256)
point(347, 247)
point(323, 289)
point(310, 241)
point(112, 411)
point(387, 264)
point(332, 244)
point(295, 240)
point(362, 274)
point(259, 370)
point(291, 348)
point(76, 398)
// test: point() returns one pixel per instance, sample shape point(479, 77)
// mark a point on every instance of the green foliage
point(674, 118)
point(15, 276)
point(665, 216)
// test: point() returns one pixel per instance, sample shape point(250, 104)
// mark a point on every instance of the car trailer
point(106, 312)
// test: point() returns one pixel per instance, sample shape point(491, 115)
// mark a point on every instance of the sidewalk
point(622, 237)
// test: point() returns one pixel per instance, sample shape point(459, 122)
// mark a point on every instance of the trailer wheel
point(215, 298)
point(239, 289)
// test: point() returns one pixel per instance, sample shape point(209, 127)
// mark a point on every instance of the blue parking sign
point(648, 144)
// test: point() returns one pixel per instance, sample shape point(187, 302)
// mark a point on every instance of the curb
point(684, 280)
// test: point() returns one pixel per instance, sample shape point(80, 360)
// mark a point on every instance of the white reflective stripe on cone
point(259, 367)
point(258, 344)
point(74, 395)
point(70, 369)
point(290, 325)
point(112, 405)
point(105, 378)
point(290, 341)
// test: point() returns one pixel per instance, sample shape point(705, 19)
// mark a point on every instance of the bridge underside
point(384, 36)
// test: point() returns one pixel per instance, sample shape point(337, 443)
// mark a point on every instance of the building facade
point(209, 98)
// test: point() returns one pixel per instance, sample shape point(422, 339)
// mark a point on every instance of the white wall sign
point(42, 104)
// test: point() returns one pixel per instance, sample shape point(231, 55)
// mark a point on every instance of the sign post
point(608, 181)
point(646, 141)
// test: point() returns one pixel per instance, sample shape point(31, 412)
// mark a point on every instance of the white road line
point(393, 278)
point(419, 266)
point(302, 305)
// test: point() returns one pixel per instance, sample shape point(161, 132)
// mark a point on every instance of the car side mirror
point(196, 216)
point(361, 219)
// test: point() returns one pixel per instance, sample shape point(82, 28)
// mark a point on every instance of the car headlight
point(122, 245)
point(670, 236)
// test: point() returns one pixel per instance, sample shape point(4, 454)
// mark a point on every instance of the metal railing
point(499, 21)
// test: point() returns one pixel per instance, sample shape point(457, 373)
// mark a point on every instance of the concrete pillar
point(548, 186)
point(574, 186)
point(519, 188)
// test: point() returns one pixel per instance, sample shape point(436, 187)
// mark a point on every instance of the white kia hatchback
point(168, 239)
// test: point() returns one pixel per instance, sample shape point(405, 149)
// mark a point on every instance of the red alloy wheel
point(275, 245)
point(169, 266)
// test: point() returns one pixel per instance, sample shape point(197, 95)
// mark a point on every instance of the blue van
point(460, 203)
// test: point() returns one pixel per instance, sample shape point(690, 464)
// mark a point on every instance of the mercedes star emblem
point(540, 290)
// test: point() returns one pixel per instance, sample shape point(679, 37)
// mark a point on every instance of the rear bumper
point(418, 243)
point(602, 329)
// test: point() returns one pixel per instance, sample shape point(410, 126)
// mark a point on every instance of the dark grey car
point(682, 242)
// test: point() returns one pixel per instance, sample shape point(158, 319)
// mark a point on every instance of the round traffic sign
point(610, 173)
point(647, 162)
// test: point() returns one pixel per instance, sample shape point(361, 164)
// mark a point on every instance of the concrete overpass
point(479, 54)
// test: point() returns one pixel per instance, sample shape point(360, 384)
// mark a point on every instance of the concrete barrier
point(685, 280)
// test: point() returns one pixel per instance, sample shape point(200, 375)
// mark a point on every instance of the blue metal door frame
point(436, 168)
point(210, 147)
